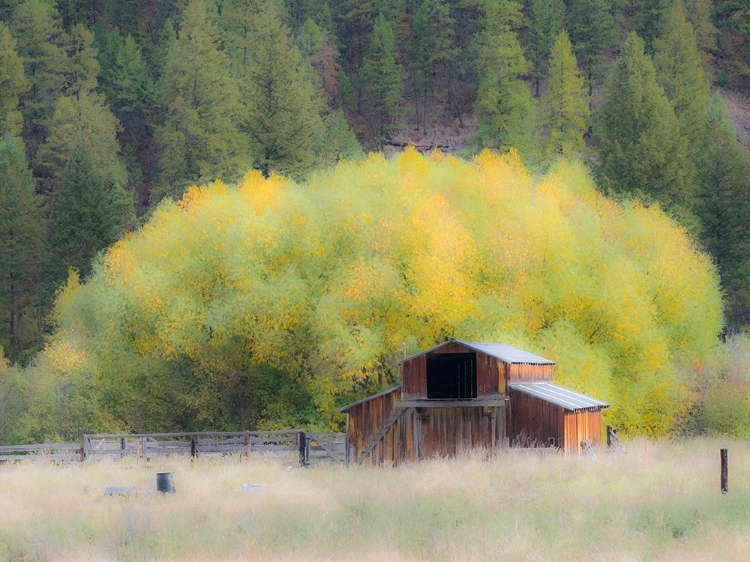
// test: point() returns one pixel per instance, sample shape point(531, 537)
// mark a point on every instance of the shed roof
point(563, 397)
point(502, 351)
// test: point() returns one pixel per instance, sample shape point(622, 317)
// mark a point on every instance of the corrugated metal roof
point(504, 352)
point(568, 399)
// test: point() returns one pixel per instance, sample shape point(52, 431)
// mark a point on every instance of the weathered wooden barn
point(462, 395)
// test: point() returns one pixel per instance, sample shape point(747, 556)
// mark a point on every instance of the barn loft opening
point(451, 376)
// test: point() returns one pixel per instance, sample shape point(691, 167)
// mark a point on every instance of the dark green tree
point(12, 83)
point(200, 136)
point(647, 18)
point(504, 102)
point(723, 182)
point(592, 31)
point(732, 17)
point(679, 70)
point(282, 99)
point(381, 80)
point(544, 20)
point(82, 219)
point(565, 107)
point(40, 39)
point(641, 150)
point(21, 247)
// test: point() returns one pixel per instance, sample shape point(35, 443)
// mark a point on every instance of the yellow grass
point(656, 502)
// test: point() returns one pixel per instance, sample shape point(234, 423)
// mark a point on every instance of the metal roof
point(568, 399)
point(348, 407)
point(504, 352)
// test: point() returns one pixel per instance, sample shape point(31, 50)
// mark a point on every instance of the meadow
point(652, 501)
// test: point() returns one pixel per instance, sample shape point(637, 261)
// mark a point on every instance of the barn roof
point(348, 407)
point(504, 352)
point(563, 397)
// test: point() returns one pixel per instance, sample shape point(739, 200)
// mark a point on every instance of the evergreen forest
point(240, 214)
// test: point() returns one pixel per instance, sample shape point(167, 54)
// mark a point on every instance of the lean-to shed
point(461, 395)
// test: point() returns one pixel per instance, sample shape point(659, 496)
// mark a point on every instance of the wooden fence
point(298, 446)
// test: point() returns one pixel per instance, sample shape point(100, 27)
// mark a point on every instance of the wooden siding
point(490, 373)
point(527, 372)
point(414, 377)
point(367, 421)
point(582, 426)
point(533, 422)
point(447, 432)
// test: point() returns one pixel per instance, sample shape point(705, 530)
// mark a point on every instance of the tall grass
point(653, 502)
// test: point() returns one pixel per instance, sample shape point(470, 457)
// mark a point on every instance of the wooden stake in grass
point(724, 472)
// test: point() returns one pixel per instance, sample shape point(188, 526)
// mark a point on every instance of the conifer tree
point(200, 136)
point(282, 100)
point(82, 219)
point(544, 21)
point(723, 181)
point(565, 108)
point(83, 64)
point(12, 83)
point(679, 70)
point(641, 150)
point(317, 48)
point(40, 39)
point(504, 100)
point(21, 247)
point(87, 115)
point(381, 79)
point(698, 12)
point(592, 32)
point(648, 17)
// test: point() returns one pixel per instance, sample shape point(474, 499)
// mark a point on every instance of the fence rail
point(295, 443)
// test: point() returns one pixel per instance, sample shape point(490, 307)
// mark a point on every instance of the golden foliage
point(325, 282)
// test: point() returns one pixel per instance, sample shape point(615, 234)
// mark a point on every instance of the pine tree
point(12, 83)
point(21, 247)
point(282, 100)
point(83, 64)
point(592, 32)
point(698, 12)
point(504, 102)
point(40, 39)
point(81, 222)
point(648, 17)
point(641, 150)
point(565, 105)
point(679, 70)
point(381, 80)
point(87, 115)
point(200, 136)
point(545, 22)
point(723, 208)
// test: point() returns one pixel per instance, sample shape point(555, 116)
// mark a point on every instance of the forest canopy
point(272, 303)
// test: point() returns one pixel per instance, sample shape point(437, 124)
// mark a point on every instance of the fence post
point(194, 446)
point(301, 444)
point(724, 472)
point(83, 448)
point(248, 444)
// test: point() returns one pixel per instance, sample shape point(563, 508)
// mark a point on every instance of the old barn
point(461, 395)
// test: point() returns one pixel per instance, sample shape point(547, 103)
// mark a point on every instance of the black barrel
point(165, 482)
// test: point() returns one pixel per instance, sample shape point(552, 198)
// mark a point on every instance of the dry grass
point(657, 502)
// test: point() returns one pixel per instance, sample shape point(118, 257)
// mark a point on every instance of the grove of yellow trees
point(271, 303)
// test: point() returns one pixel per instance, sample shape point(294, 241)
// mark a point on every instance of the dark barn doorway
point(452, 376)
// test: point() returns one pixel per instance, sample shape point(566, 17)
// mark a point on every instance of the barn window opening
point(452, 376)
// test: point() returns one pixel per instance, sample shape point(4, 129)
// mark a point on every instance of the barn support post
point(724, 471)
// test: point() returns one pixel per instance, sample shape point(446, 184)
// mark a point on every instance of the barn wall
point(533, 422)
point(582, 426)
point(527, 372)
point(449, 432)
point(490, 373)
point(367, 419)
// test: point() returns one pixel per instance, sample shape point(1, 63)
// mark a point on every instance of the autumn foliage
point(271, 303)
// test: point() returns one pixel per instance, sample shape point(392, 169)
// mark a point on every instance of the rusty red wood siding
point(527, 372)
point(533, 422)
point(414, 377)
point(367, 420)
point(447, 432)
point(582, 426)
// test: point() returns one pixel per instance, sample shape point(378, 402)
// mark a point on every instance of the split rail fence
point(295, 444)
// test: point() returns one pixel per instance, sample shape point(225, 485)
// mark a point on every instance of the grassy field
point(653, 502)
